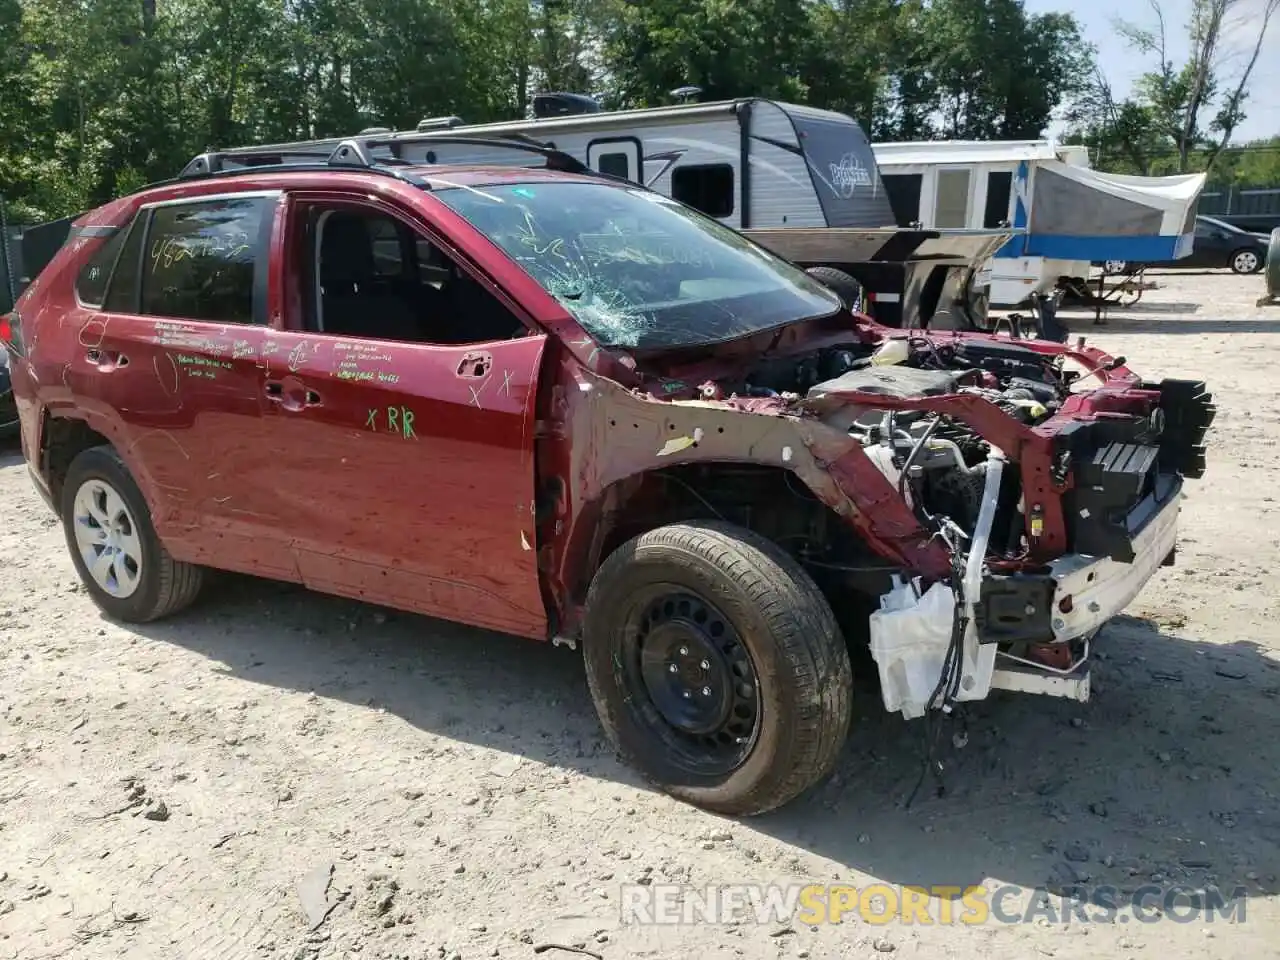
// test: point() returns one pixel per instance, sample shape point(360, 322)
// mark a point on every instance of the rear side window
point(207, 261)
point(91, 284)
point(122, 289)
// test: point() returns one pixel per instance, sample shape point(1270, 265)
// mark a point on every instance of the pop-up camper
point(1067, 216)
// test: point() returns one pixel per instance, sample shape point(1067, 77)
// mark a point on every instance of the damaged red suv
point(562, 406)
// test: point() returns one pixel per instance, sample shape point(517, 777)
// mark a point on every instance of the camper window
point(951, 203)
point(706, 187)
point(904, 196)
point(999, 188)
point(614, 164)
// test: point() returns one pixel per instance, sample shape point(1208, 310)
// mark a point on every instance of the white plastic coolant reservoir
point(891, 352)
point(910, 635)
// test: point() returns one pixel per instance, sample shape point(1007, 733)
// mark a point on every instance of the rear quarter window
point(91, 282)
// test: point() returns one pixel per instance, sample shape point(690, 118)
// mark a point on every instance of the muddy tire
point(716, 666)
point(114, 546)
point(841, 284)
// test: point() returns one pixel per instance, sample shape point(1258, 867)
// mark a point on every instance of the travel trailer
point(800, 181)
point(1067, 216)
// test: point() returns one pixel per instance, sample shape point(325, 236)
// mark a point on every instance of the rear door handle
point(275, 392)
point(106, 358)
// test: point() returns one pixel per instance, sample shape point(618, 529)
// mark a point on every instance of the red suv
point(559, 405)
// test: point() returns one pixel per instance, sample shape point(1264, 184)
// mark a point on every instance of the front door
point(402, 422)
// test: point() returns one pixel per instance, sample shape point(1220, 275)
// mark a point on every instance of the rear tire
point(723, 618)
point(114, 546)
point(841, 284)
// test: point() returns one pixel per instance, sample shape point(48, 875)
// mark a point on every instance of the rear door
point(404, 450)
point(170, 363)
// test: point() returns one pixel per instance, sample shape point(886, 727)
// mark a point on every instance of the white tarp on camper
point(1078, 202)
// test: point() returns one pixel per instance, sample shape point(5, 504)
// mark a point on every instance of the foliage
point(102, 95)
point(1181, 116)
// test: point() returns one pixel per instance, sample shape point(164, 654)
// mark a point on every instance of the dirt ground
point(190, 789)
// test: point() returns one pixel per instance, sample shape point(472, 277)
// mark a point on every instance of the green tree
point(729, 48)
point(1181, 116)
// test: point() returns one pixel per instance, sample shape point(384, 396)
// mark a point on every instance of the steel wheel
point(1115, 266)
point(685, 663)
point(107, 538)
point(1246, 261)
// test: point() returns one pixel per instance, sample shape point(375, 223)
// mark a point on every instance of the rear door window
point(208, 260)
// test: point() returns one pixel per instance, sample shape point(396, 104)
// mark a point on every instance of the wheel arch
point(64, 436)
point(766, 499)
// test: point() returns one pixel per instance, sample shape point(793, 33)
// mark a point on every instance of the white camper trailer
point(1067, 216)
point(801, 182)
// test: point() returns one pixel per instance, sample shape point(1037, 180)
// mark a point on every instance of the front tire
point(716, 666)
point(114, 546)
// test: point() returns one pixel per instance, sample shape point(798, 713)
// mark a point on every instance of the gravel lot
point(164, 790)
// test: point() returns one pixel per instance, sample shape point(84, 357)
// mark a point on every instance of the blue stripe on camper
point(1142, 249)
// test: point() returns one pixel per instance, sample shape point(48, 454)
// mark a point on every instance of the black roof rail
point(358, 152)
point(556, 159)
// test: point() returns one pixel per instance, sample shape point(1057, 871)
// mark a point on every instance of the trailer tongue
point(912, 278)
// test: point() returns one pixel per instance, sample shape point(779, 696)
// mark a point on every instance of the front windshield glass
point(637, 269)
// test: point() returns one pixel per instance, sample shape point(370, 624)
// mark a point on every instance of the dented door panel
point(405, 473)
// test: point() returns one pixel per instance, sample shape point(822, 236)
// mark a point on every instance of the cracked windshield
point(636, 269)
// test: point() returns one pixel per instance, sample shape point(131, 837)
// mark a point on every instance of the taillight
point(11, 332)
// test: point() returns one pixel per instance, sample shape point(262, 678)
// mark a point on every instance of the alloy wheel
point(107, 538)
point(1246, 261)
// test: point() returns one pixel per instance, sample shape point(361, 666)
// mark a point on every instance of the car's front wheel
point(717, 667)
point(114, 546)
point(1246, 261)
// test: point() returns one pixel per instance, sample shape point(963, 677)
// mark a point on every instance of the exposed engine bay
point(938, 463)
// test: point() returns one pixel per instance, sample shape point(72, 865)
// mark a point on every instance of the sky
point(1122, 64)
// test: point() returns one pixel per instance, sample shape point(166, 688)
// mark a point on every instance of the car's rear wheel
point(114, 546)
point(717, 667)
point(1246, 261)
